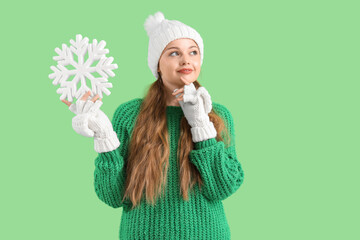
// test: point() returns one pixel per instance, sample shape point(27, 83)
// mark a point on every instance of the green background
point(287, 70)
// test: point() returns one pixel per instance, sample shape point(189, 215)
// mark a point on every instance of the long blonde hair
point(148, 151)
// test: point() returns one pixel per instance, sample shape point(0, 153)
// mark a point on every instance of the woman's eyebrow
point(179, 48)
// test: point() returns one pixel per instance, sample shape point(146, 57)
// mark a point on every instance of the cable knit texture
point(203, 216)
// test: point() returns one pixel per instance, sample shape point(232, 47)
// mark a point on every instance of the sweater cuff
point(203, 133)
point(107, 144)
point(205, 143)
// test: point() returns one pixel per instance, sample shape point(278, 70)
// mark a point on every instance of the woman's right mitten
point(84, 110)
point(105, 138)
point(90, 121)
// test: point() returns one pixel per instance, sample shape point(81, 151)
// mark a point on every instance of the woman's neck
point(171, 99)
point(173, 103)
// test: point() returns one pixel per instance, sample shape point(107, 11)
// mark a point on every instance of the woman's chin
point(189, 80)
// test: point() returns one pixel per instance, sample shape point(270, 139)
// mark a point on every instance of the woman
point(169, 158)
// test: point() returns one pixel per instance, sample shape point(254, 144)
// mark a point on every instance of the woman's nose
point(185, 60)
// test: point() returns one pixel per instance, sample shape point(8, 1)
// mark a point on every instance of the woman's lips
point(185, 71)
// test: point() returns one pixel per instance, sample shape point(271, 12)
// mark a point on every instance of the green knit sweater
point(203, 216)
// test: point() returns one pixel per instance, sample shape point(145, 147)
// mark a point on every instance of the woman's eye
point(171, 54)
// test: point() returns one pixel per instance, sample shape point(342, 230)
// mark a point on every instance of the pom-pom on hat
point(161, 32)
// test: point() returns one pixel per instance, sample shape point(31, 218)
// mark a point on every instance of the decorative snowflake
point(82, 69)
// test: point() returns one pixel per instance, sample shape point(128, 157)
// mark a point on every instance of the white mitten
point(196, 106)
point(90, 121)
point(105, 138)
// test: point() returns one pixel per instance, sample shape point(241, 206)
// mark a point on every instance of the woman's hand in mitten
point(196, 105)
point(85, 109)
point(90, 121)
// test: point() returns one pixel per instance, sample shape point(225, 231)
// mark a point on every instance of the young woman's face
point(178, 54)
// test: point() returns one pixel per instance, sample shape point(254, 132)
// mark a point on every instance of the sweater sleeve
point(218, 165)
point(109, 174)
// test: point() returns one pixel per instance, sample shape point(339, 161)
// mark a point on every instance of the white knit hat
point(161, 32)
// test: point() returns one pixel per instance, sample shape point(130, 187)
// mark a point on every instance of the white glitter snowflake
point(82, 69)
